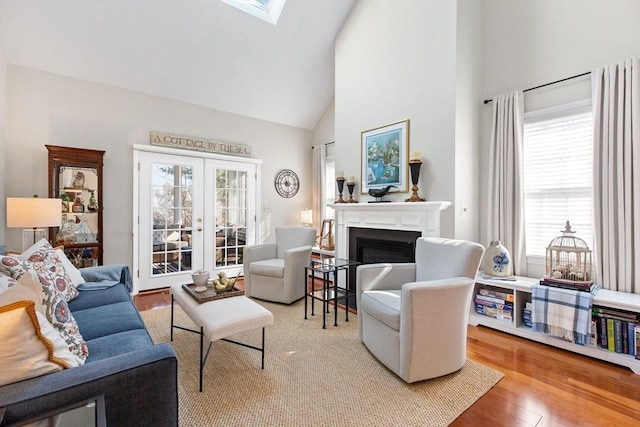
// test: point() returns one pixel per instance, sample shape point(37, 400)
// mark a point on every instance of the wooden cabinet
point(517, 294)
point(75, 176)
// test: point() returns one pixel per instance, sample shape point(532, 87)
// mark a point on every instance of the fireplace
point(388, 231)
point(370, 246)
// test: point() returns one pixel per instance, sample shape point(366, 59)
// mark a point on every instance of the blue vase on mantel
point(496, 260)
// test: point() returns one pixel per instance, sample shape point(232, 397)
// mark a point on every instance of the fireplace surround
point(423, 217)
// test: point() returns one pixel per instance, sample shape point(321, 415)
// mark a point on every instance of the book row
point(617, 330)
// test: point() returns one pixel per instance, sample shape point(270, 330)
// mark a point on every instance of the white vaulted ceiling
point(204, 52)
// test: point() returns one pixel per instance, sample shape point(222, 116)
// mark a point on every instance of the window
point(558, 177)
point(330, 181)
point(267, 10)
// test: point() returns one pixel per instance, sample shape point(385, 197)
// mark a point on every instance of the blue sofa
point(137, 378)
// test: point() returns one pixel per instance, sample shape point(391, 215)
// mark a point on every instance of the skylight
point(267, 10)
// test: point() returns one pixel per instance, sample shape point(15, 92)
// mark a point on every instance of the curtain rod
point(486, 101)
point(325, 144)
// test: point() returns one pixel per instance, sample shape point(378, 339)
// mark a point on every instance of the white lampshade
point(33, 212)
point(306, 216)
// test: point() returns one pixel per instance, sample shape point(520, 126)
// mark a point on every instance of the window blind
point(558, 178)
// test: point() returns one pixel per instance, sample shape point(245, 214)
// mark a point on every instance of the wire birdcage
point(569, 257)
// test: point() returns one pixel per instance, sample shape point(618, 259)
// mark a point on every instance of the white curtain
point(616, 198)
point(318, 183)
point(505, 214)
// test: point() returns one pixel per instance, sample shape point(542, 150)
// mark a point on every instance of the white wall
point(44, 108)
point(530, 42)
point(324, 131)
point(467, 120)
point(395, 61)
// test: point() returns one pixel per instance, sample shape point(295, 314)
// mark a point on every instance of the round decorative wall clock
point(287, 183)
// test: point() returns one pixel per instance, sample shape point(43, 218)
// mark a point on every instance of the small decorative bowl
point(200, 279)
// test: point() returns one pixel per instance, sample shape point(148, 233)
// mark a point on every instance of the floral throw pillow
point(6, 282)
point(51, 272)
point(44, 259)
point(52, 304)
point(12, 266)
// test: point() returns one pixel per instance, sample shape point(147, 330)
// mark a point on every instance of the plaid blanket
point(562, 313)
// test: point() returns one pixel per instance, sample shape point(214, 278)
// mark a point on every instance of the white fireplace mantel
point(423, 217)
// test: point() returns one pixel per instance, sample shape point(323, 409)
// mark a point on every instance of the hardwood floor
point(545, 386)
point(152, 299)
point(542, 386)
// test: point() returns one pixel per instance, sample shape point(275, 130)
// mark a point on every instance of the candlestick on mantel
point(414, 167)
point(351, 186)
point(340, 182)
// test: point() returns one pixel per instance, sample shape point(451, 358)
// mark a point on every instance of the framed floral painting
point(384, 159)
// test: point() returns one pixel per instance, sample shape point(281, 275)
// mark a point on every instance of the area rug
point(312, 377)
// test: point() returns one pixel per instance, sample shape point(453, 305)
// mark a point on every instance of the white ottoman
point(219, 319)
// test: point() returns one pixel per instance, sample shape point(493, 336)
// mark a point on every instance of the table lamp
point(306, 217)
point(34, 213)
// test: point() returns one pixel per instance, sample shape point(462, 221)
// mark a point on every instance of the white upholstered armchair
point(413, 316)
point(276, 271)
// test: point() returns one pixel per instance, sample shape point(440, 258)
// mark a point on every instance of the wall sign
point(198, 144)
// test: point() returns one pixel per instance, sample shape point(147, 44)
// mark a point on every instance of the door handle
point(199, 228)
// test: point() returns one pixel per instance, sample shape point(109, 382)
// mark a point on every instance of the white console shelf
point(521, 288)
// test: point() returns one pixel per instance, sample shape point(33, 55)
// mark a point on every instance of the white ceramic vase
point(200, 279)
point(496, 260)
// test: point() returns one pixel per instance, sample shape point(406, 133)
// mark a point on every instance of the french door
point(194, 213)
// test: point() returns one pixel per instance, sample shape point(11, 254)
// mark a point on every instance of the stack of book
point(494, 303)
point(526, 314)
point(617, 330)
point(568, 284)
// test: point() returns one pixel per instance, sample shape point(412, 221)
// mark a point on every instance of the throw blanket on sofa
point(562, 313)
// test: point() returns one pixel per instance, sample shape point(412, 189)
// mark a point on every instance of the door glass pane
point(172, 194)
point(231, 216)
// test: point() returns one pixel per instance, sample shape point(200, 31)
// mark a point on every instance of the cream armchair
point(276, 271)
point(413, 316)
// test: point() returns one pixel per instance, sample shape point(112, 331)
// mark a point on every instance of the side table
point(327, 269)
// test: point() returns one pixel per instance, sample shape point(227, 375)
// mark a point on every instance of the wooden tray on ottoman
point(210, 294)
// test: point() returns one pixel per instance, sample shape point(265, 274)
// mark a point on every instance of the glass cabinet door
point(75, 176)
